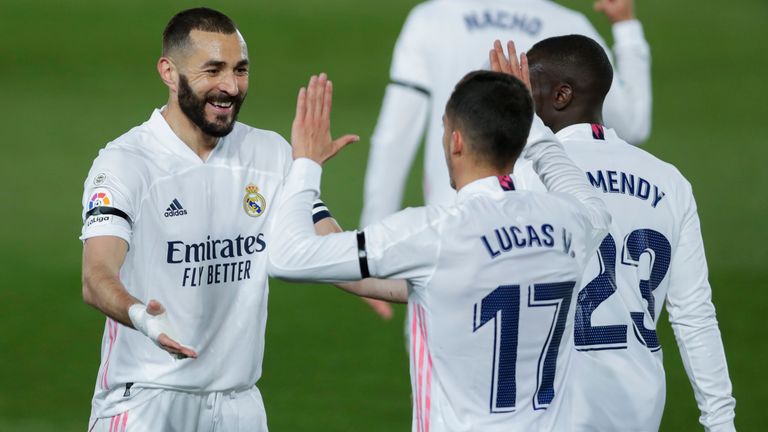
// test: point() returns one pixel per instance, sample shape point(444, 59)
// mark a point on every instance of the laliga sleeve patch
point(100, 197)
point(100, 209)
point(99, 219)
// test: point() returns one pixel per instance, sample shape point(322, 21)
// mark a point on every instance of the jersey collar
point(586, 131)
point(162, 130)
point(486, 186)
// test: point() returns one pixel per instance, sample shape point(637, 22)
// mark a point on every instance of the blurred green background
point(79, 73)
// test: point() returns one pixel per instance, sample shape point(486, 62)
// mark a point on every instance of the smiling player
point(175, 238)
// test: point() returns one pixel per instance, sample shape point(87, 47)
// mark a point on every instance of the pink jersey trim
point(112, 329)
point(428, 396)
point(125, 421)
point(417, 396)
point(422, 363)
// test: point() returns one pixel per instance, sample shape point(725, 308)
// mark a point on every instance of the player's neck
point(198, 141)
point(575, 117)
point(476, 173)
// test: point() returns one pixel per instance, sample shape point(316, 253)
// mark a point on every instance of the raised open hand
point(616, 10)
point(311, 130)
point(510, 65)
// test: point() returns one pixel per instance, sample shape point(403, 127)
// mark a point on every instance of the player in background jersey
point(654, 253)
point(176, 231)
point(441, 41)
point(490, 279)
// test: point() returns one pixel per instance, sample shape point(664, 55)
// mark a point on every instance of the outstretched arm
point(301, 254)
point(102, 259)
point(374, 292)
point(628, 104)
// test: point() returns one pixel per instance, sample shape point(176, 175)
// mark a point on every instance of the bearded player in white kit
point(654, 253)
point(175, 238)
point(490, 280)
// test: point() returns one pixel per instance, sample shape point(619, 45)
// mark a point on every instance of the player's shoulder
point(131, 152)
point(415, 221)
point(649, 161)
point(616, 164)
point(246, 133)
point(424, 17)
point(248, 139)
point(555, 203)
point(426, 8)
point(551, 6)
point(559, 19)
point(419, 217)
point(433, 11)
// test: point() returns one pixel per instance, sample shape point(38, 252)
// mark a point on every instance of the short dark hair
point(176, 33)
point(575, 59)
point(494, 111)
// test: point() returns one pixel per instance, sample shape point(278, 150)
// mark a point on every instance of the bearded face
point(214, 112)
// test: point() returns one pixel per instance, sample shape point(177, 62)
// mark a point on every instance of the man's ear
point(563, 95)
point(457, 143)
point(168, 73)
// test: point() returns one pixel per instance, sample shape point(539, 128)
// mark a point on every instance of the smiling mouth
point(221, 105)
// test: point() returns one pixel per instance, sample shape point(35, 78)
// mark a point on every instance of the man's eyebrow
point(241, 63)
point(214, 63)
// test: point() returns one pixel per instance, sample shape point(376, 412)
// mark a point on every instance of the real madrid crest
point(254, 203)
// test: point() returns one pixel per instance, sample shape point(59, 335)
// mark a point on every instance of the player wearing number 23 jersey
point(491, 279)
point(653, 253)
point(440, 42)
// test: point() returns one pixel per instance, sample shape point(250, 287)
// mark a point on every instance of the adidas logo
point(175, 209)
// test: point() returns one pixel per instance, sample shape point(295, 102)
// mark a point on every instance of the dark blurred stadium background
point(77, 74)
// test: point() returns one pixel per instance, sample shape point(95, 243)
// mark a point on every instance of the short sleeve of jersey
point(110, 197)
point(404, 245)
point(409, 61)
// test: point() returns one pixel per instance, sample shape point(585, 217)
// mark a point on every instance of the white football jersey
point(491, 289)
point(198, 236)
point(443, 40)
point(654, 253)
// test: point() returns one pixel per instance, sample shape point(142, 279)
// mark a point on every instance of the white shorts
point(234, 411)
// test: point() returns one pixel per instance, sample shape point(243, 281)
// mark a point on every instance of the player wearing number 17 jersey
point(654, 253)
point(491, 279)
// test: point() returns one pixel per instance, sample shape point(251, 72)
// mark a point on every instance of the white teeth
point(221, 104)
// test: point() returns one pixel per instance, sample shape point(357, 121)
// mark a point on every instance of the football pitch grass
point(80, 73)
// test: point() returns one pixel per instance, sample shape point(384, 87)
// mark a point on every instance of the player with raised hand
point(490, 280)
point(441, 41)
point(653, 254)
point(191, 191)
